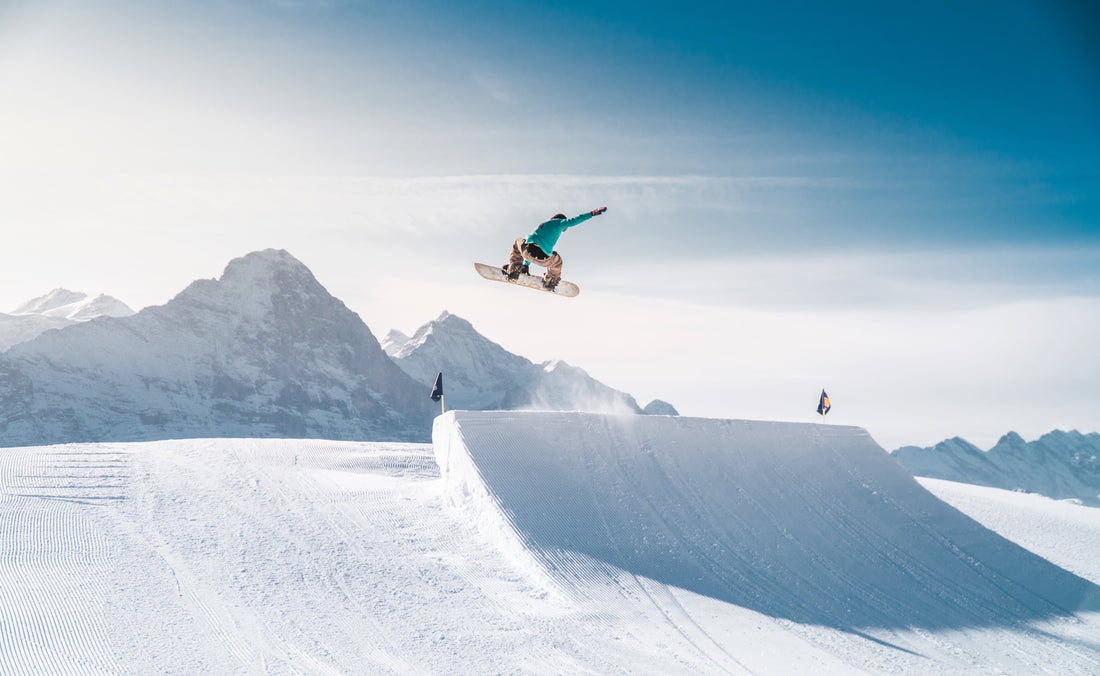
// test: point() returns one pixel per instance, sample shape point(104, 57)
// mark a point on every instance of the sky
point(897, 202)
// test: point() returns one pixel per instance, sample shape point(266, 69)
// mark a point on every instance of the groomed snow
point(1064, 532)
point(553, 543)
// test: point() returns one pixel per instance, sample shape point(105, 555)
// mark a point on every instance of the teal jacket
point(547, 234)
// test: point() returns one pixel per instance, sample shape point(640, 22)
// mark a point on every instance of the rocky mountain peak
point(1011, 439)
point(393, 342)
point(482, 375)
point(447, 332)
point(257, 284)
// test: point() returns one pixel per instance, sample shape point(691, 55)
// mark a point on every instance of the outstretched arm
point(577, 220)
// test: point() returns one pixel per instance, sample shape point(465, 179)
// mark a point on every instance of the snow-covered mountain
point(263, 351)
point(480, 375)
point(55, 310)
point(1059, 464)
point(74, 305)
point(15, 329)
point(393, 342)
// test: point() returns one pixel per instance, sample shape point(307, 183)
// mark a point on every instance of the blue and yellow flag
point(823, 406)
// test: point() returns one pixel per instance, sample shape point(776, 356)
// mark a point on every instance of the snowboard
point(493, 272)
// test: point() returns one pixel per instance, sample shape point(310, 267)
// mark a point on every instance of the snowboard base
point(493, 272)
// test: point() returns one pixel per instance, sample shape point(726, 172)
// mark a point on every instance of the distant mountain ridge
point(57, 309)
point(481, 375)
point(74, 305)
point(1060, 465)
point(263, 351)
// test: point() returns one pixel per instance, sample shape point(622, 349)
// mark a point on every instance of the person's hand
point(597, 212)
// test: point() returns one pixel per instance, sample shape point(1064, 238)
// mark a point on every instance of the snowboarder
point(534, 248)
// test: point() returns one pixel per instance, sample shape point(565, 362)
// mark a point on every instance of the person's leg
point(553, 270)
point(515, 260)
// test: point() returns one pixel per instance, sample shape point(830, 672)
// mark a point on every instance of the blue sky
point(862, 168)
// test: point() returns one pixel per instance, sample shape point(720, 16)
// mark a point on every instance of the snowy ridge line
point(815, 524)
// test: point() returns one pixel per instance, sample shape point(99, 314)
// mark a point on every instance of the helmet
point(557, 216)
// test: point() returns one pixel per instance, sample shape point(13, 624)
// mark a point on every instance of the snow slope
point(1062, 531)
point(608, 549)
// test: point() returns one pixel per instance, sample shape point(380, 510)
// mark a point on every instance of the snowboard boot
point(550, 284)
point(513, 275)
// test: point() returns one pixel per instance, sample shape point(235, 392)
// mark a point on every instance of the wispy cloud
point(689, 236)
point(435, 204)
point(934, 279)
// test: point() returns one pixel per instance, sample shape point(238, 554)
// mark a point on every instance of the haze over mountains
point(264, 351)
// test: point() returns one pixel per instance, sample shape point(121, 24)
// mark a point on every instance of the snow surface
point(1063, 532)
point(550, 543)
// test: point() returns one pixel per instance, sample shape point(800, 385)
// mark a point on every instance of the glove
point(597, 212)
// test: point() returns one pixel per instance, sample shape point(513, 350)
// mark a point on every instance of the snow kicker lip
point(812, 523)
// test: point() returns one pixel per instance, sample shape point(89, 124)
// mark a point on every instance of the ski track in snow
point(53, 589)
point(239, 556)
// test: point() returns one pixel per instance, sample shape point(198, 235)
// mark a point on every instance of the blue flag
point(823, 406)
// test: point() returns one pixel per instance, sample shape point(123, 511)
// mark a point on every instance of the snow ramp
point(816, 524)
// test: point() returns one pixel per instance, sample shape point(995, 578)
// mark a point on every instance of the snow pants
point(522, 251)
